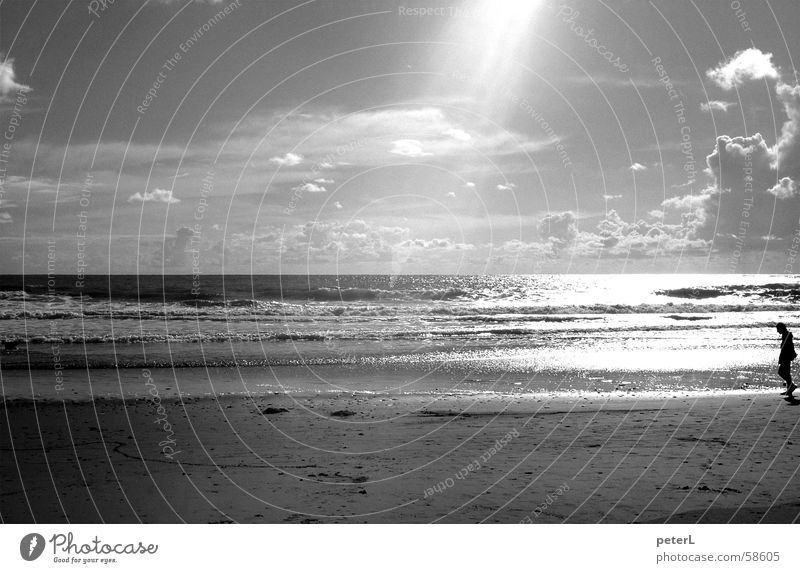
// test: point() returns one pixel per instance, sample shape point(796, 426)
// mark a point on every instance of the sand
point(526, 458)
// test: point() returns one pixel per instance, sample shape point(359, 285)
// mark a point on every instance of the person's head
point(781, 327)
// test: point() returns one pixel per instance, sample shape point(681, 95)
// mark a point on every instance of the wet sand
point(540, 458)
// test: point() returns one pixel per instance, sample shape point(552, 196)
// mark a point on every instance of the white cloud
point(5, 218)
point(561, 227)
point(611, 237)
point(310, 188)
point(338, 205)
point(154, 196)
point(787, 149)
point(8, 80)
point(469, 185)
point(408, 148)
point(506, 186)
point(716, 105)
point(685, 202)
point(288, 160)
point(784, 189)
point(637, 167)
point(323, 181)
point(612, 197)
point(451, 194)
point(458, 134)
point(749, 64)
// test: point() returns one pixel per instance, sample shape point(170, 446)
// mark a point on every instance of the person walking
point(785, 359)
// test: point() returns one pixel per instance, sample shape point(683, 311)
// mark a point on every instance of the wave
point(788, 291)
point(270, 312)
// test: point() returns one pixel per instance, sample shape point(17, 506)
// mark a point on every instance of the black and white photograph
point(525, 262)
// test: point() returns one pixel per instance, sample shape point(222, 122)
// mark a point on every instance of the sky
point(369, 136)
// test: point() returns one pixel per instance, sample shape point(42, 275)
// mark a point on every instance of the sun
point(492, 40)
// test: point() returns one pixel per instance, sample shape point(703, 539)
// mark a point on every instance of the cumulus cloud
point(5, 218)
point(787, 150)
point(355, 241)
point(323, 181)
point(612, 197)
point(451, 194)
point(749, 64)
point(744, 205)
point(457, 133)
point(446, 244)
point(408, 148)
point(716, 105)
point(612, 236)
point(784, 189)
point(155, 196)
point(469, 185)
point(637, 167)
point(310, 188)
point(173, 252)
point(686, 202)
point(8, 79)
point(287, 160)
point(506, 186)
point(338, 205)
point(559, 226)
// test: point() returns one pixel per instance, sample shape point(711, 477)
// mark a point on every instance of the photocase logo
point(31, 546)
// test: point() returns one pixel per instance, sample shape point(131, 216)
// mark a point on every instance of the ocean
point(381, 333)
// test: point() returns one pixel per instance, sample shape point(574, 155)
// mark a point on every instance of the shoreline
point(278, 458)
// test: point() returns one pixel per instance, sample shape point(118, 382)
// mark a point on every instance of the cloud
point(408, 148)
point(323, 181)
point(5, 218)
point(784, 189)
point(172, 252)
point(743, 204)
point(685, 202)
point(288, 160)
point(716, 105)
point(457, 133)
point(338, 205)
point(155, 196)
point(506, 186)
point(8, 79)
point(749, 64)
point(637, 167)
point(354, 242)
point(561, 227)
point(446, 244)
point(451, 194)
point(612, 236)
point(612, 197)
point(310, 188)
point(469, 185)
point(787, 149)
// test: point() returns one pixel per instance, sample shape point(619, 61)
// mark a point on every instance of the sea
point(387, 333)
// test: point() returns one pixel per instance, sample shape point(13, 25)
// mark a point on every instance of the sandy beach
point(580, 457)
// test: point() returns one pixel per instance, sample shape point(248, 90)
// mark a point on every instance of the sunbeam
point(487, 45)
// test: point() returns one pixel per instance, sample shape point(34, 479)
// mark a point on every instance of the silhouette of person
point(785, 359)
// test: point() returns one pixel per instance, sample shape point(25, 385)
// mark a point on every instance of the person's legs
point(785, 372)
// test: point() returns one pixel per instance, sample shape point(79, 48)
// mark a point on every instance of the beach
point(573, 456)
point(397, 399)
